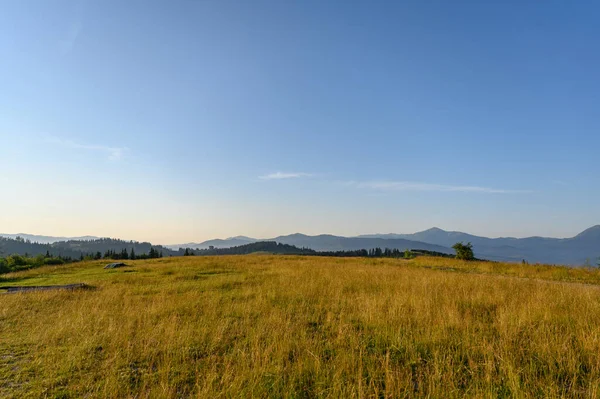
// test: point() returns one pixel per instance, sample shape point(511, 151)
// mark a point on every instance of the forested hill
point(255, 247)
point(273, 247)
point(76, 249)
point(109, 248)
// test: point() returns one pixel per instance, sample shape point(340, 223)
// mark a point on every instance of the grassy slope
point(256, 326)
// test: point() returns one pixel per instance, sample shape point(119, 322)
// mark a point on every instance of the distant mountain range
point(217, 243)
point(572, 251)
point(76, 248)
point(578, 250)
point(324, 242)
point(584, 247)
point(47, 239)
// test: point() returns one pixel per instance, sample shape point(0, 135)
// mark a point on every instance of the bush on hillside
point(16, 261)
point(54, 261)
point(464, 251)
point(4, 266)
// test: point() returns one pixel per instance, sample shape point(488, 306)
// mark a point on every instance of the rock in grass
point(114, 265)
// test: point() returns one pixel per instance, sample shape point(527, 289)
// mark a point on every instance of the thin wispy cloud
point(74, 29)
point(67, 44)
point(382, 185)
point(113, 153)
point(282, 175)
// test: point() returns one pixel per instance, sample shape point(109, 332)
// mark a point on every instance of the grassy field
point(302, 327)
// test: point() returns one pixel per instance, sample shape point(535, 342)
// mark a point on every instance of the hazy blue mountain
point(327, 242)
point(433, 236)
point(216, 243)
point(573, 251)
point(324, 242)
point(46, 239)
point(590, 235)
point(243, 238)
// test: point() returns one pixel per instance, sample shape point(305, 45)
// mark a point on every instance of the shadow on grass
point(8, 280)
point(13, 289)
point(216, 272)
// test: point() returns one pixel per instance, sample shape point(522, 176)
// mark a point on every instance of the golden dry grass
point(294, 327)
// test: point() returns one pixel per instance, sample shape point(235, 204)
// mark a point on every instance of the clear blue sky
point(179, 121)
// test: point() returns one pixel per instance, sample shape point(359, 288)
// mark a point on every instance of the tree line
point(16, 262)
point(286, 249)
point(129, 255)
point(78, 248)
point(131, 251)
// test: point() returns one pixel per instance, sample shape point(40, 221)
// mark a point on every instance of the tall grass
point(272, 326)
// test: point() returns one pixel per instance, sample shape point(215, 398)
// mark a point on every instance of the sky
point(180, 121)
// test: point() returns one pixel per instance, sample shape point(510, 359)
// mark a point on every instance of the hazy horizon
point(281, 234)
point(180, 122)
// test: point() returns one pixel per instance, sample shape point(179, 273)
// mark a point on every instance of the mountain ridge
point(577, 250)
point(43, 239)
point(583, 248)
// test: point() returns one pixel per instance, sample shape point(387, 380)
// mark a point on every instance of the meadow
point(302, 327)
